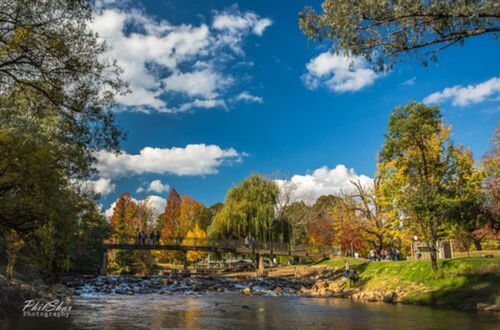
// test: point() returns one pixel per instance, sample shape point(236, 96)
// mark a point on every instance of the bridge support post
point(185, 269)
point(104, 267)
point(261, 272)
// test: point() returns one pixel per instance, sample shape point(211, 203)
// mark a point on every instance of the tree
point(248, 210)
point(121, 222)
point(422, 169)
point(298, 215)
point(144, 219)
point(347, 227)
point(383, 31)
point(171, 214)
point(47, 50)
point(466, 206)
point(13, 243)
point(491, 164)
point(191, 213)
point(31, 182)
point(92, 229)
point(320, 224)
point(196, 236)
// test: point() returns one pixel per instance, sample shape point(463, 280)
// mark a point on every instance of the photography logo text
point(54, 308)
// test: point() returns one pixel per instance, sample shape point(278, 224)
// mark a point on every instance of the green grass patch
point(461, 282)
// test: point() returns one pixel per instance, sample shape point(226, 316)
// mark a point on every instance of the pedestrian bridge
point(236, 246)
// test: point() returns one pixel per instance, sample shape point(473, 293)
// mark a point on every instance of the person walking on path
point(157, 237)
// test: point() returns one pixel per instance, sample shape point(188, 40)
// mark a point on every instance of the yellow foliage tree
point(195, 237)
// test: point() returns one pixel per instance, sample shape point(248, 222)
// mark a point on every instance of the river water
point(233, 311)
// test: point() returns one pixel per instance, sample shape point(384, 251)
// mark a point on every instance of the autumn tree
point(248, 210)
point(346, 225)
point(422, 170)
point(195, 236)
point(383, 31)
point(491, 164)
point(320, 224)
point(191, 213)
point(121, 221)
point(144, 219)
point(171, 214)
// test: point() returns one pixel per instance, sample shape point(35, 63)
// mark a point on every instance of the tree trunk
point(477, 244)
point(13, 244)
point(433, 253)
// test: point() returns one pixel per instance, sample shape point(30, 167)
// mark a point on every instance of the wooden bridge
point(259, 248)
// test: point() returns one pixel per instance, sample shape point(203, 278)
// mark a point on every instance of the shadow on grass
point(475, 288)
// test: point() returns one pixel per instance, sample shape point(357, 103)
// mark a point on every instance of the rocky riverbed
point(177, 284)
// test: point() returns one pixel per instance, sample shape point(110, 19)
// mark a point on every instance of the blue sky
point(240, 83)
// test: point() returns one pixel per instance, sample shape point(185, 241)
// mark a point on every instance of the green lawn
point(462, 281)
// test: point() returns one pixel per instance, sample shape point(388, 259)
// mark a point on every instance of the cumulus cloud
point(464, 95)
point(323, 181)
point(338, 72)
point(159, 58)
point(155, 186)
point(101, 186)
point(156, 203)
point(194, 159)
point(247, 97)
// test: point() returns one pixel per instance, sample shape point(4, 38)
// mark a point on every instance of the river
point(234, 311)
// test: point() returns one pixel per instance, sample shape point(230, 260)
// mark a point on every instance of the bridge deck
point(277, 251)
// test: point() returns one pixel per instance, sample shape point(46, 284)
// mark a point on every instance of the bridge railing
point(241, 244)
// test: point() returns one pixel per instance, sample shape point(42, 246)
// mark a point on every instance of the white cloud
point(338, 72)
point(156, 203)
point(236, 22)
point(159, 58)
point(198, 83)
point(205, 104)
point(101, 186)
point(323, 181)
point(409, 82)
point(470, 94)
point(155, 186)
point(194, 159)
point(247, 97)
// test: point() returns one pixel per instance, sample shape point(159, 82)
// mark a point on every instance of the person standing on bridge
point(157, 237)
point(143, 237)
point(152, 237)
point(138, 238)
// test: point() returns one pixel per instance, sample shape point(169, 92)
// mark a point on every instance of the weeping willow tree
point(248, 210)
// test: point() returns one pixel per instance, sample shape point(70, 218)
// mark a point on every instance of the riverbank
point(464, 283)
point(13, 294)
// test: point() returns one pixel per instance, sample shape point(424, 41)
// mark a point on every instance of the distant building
point(421, 251)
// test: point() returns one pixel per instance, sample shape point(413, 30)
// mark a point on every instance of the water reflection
point(258, 312)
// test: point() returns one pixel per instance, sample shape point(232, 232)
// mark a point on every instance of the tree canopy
point(248, 210)
point(424, 174)
point(48, 52)
point(383, 31)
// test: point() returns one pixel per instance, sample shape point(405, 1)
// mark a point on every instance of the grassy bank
point(460, 283)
